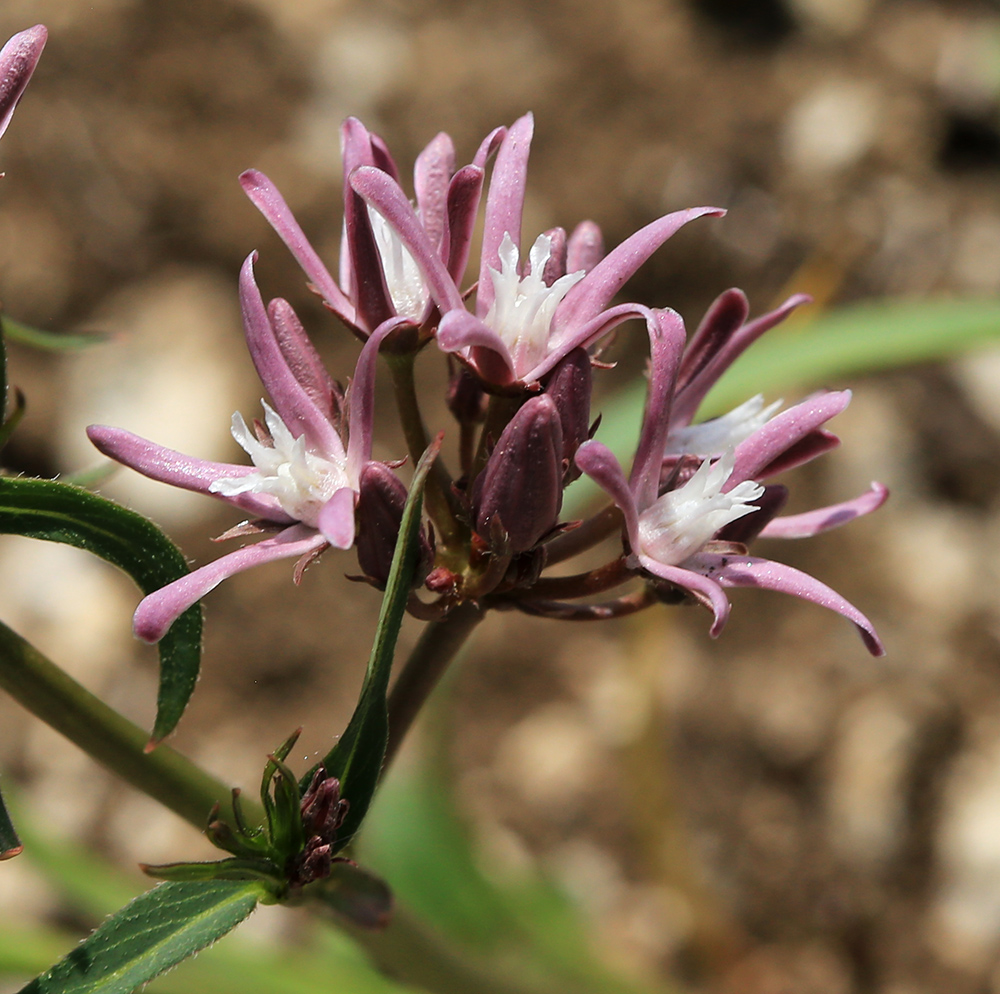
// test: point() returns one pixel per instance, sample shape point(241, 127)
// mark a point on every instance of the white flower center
point(522, 309)
point(402, 274)
point(683, 520)
point(712, 438)
point(299, 478)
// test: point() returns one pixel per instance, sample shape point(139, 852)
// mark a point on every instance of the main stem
point(56, 698)
point(437, 646)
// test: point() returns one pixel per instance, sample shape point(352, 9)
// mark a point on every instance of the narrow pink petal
point(157, 612)
point(706, 590)
point(824, 518)
point(488, 146)
point(813, 445)
point(585, 248)
point(693, 391)
point(432, 174)
point(556, 264)
point(750, 571)
point(336, 518)
point(361, 401)
point(504, 204)
point(382, 156)
point(178, 470)
point(595, 291)
point(723, 319)
point(776, 437)
point(265, 197)
point(366, 288)
point(463, 203)
point(301, 356)
point(291, 400)
point(378, 189)
point(600, 464)
point(18, 59)
point(460, 331)
point(666, 344)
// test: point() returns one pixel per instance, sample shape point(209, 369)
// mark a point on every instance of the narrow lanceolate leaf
point(52, 341)
point(10, 844)
point(58, 512)
point(356, 759)
point(151, 934)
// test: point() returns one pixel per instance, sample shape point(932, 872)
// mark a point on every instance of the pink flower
point(691, 529)
point(379, 277)
point(304, 481)
point(527, 316)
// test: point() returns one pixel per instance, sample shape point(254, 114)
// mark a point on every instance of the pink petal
point(749, 571)
point(379, 190)
point(776, 437)
point(336, 519)
point(723, 319)
point(813, 445)
point(264, 196)
point(361, 401)
point(666, 344)
point(556, 264)
point(168, 466)
point(488, 146)
point(460, 331)
point(600, 464)
point(291, 400)
point(707, 591)
point(585, 248)
point(18, 59)
point(157, 612)
point(504, 204)
point(596, 290)
point(303, 360)
point(432, 174)
point(463, 203)
point(728, 349)
point(824, 518)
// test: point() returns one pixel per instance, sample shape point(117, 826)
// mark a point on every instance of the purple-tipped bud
point(465, 396)
point(18, 59)
point(323, 809)
point(569, 386)
point(379, 513)
point(522, 481)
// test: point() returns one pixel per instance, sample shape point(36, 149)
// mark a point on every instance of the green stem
point(47, 692)
point(437, 494)
point(437, 646)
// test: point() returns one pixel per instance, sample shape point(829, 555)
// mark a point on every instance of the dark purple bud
point(323, 809)
point(569, 386)
point(585, 248)
point(521, 484)
point(465, 395)
point(379, 513)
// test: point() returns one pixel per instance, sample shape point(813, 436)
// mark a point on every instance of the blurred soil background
point(773, 812)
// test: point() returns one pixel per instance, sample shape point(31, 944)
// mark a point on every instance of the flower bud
point(569, 386)
point(465, 395)
point(521, 484)
point(379, 513)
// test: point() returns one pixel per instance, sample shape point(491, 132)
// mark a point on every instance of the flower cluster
point(521, 353)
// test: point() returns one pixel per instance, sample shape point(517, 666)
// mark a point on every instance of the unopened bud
point(569, 386)
point(522, 481)
point(585, 249)
point(381, 499)
point(465, 395)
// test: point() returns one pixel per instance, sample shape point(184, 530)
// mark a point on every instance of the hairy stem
point(41, 687)
point(437, 495)
point(435, 649)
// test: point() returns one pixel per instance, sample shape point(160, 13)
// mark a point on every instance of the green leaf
point(7, 428)
point(10, 844)
point(151, 934)
point(51, 341)
point(356, 894)
point(848, 341)
point(58, 512)
point(220, 869)
point(356, 759)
